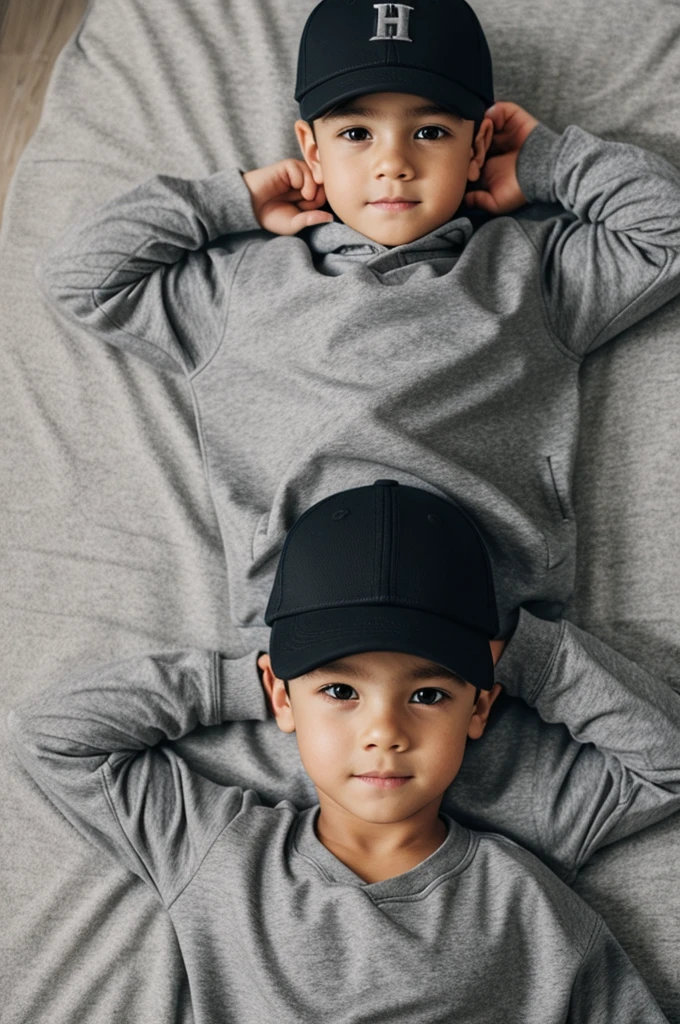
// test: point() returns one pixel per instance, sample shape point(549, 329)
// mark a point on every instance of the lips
point(394, 199)
point(394, 205)
point(384, 781)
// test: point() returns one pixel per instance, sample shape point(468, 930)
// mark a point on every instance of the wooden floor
point(32, 32)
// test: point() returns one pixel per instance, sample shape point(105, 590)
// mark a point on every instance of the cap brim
point(299, 643)
point(391, 79)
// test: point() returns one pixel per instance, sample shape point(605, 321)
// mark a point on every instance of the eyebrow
point(357, 111)
point(431, 671)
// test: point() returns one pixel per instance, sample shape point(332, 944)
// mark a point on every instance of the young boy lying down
point(373, 904)
point(436, 343)
point(430, 340)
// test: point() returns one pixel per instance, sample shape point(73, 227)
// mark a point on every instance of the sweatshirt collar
point(452, 857)
point(339, 238)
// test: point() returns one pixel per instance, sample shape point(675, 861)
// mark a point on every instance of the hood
point(336, 246)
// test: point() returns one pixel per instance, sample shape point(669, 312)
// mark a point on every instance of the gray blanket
point(109, 541)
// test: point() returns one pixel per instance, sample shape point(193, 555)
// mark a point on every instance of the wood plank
point(4, 4)
point(37, 28)
point(32, 34)
point(22, 90)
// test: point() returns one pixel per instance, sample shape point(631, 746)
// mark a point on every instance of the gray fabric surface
point(109, 541)
point(247, 885)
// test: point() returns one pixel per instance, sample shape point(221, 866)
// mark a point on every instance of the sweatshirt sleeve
point(151, 271)
point(98, 747)
point(623, 772)
point(614, 256)
point(608, 988)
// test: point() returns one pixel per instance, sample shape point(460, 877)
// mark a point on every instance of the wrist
point(249, 181)
point(536, 162)
point(239, 688)
point(529, 654)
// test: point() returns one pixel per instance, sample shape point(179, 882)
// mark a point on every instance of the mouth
point(394, 205)
point(384, 781)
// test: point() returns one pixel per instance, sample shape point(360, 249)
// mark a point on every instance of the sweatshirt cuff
point(241, 693)
point(227, 204)
point(525, 662)
point(535, 167)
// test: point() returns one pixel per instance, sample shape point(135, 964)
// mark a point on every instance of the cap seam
point(376, 530)
point(394, 561)
point(386, 551)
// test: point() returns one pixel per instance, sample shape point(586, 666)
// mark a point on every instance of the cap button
point(386, 483)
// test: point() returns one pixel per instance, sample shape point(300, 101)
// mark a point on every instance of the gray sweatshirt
point(325, 360)
point(273, 927)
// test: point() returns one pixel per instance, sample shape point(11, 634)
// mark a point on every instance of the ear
point(482, 709)
point(309, 149)
point(276, 692)
point(480, 146)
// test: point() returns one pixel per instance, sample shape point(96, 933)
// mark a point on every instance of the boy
point(373, 904)
point(387, 340)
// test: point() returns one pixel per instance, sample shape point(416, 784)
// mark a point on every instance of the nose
point(384, 729)
point(391, 162)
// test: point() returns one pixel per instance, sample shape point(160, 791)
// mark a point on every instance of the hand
point(512, 125)
point(285, 197)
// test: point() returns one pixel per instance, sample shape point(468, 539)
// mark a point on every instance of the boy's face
point(392, 151)
point(379, 711)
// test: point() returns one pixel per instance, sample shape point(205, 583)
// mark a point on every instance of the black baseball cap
point(431, 48)
point(385, 567)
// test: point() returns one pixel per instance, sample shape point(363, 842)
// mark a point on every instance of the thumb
point(307, 219)
point(318, 217)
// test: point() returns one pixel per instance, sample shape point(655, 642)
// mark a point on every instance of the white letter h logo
point(401, 21)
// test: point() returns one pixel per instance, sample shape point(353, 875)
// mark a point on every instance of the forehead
point(399, 666)
point(381, 105)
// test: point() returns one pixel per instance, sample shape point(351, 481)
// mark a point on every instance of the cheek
point(343, 178)
point(323, 743)
point(449, 745)
point(451, 185)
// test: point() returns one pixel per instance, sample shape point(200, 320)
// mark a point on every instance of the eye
point(432, 128)
point(347, 130)
point(335, 686)
point(425, 128)
point(431, 690)
point(344, 686)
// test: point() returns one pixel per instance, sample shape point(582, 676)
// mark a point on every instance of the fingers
point(305, 220)
point(283, 192)
point(306, 198)
point(503, 112)
point(502, 107)
point(495, 113)
point(300, 178)
point(318, 199)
